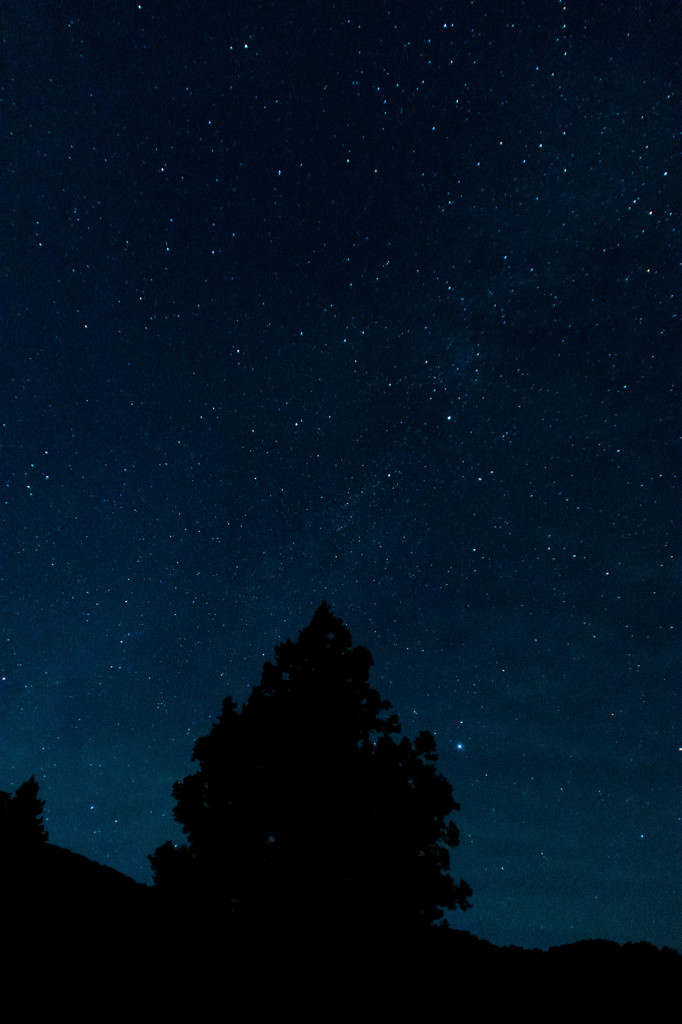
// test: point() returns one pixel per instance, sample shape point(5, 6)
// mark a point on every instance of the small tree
point(21, 818)
point(306, 804)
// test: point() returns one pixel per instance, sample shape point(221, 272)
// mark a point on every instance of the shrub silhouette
point(306, 807)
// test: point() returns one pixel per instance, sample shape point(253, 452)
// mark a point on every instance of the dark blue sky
point(306, 302)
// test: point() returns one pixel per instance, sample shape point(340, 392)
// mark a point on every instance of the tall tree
point(306, 803)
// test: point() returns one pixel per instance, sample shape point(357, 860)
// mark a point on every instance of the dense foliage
point(308, 806)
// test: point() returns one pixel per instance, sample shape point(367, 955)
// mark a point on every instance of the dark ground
point(83, 937)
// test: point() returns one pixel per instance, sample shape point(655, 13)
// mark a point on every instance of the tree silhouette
point(307, 806)
point(21, 818)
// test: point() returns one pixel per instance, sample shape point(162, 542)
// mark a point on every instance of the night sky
point(372, 303)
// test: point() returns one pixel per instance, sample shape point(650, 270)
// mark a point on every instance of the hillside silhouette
point(86, 936)
point(315, 876)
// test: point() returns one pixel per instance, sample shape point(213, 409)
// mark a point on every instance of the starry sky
point(370, 303)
